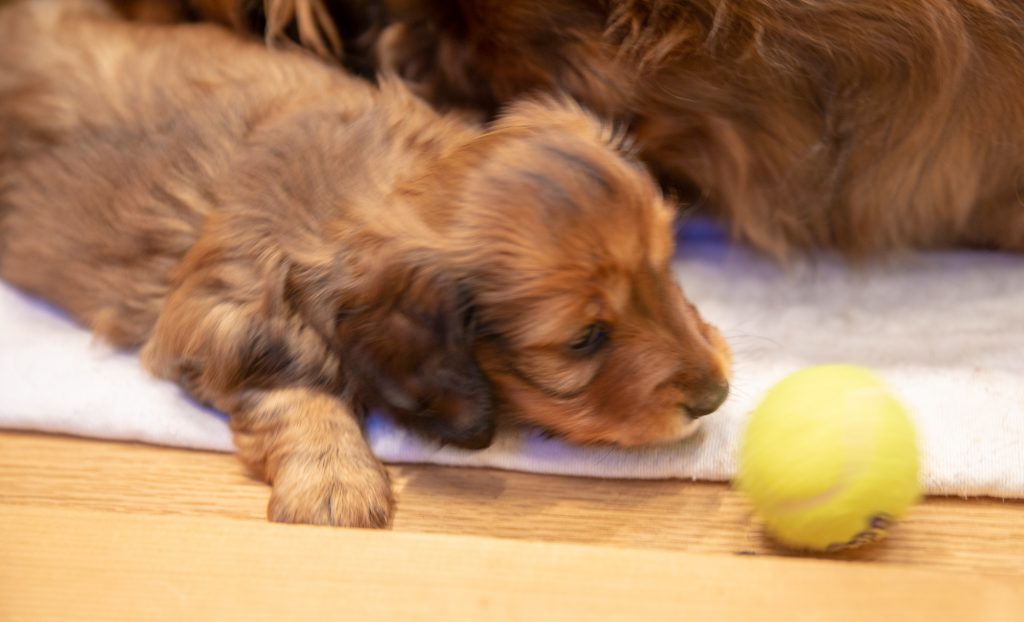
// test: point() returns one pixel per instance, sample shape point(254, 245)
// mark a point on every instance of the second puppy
point(295, 247)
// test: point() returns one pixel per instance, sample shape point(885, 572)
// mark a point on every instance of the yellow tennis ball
point(829, 459)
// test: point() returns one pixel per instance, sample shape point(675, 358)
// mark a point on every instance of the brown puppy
point(294, 247)
point(867, 125)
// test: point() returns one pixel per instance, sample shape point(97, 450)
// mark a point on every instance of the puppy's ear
point(402, 324)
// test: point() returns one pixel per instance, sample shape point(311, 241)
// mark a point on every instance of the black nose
point(707, 401)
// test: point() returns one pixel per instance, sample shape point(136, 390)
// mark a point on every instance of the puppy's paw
point(322, 493)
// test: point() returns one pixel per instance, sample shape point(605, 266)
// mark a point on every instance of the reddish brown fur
point(867, 125)
point(333, 30)
point(294, 246)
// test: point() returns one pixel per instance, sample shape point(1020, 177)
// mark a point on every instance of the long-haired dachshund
point(295, 247)
point(865, 125)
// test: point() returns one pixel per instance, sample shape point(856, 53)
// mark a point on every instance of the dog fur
point(865, 125)
point(295, 247)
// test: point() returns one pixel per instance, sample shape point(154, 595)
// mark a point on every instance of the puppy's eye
point(590, 340)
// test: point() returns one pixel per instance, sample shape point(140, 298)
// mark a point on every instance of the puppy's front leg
point(229, 335)
point(309, 446)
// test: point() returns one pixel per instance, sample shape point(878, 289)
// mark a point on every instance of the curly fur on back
point(866, 125)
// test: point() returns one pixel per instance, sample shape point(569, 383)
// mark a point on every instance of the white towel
point(946, 330)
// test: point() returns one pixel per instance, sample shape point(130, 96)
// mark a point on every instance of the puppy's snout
point(707, 400)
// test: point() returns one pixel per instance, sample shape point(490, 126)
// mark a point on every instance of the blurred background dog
point(864, 125)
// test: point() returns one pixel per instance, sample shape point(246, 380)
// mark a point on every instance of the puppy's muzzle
point(708, 399)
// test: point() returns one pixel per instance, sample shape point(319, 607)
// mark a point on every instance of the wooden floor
point(193, 512)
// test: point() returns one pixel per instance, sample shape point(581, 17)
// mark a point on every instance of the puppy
point(295, 247)
point(869, 126)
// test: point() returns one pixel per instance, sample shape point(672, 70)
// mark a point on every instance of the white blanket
point(945, 329)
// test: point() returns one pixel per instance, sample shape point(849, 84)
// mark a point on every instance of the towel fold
point(946, 330)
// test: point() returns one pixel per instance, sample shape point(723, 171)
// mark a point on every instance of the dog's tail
point(313, 22)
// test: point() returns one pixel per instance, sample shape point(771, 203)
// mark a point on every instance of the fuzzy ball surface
point(829, 459)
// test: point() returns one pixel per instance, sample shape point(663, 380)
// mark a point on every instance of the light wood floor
point(85, 516)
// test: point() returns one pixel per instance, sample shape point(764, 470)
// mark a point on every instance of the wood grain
point(69, 564)
point(978, 535)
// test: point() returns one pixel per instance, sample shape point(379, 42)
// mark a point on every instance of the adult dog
point(865, 125)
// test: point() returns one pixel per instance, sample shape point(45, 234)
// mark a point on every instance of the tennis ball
point(829, 459)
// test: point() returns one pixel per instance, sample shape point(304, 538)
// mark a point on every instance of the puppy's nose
point(708, 400)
